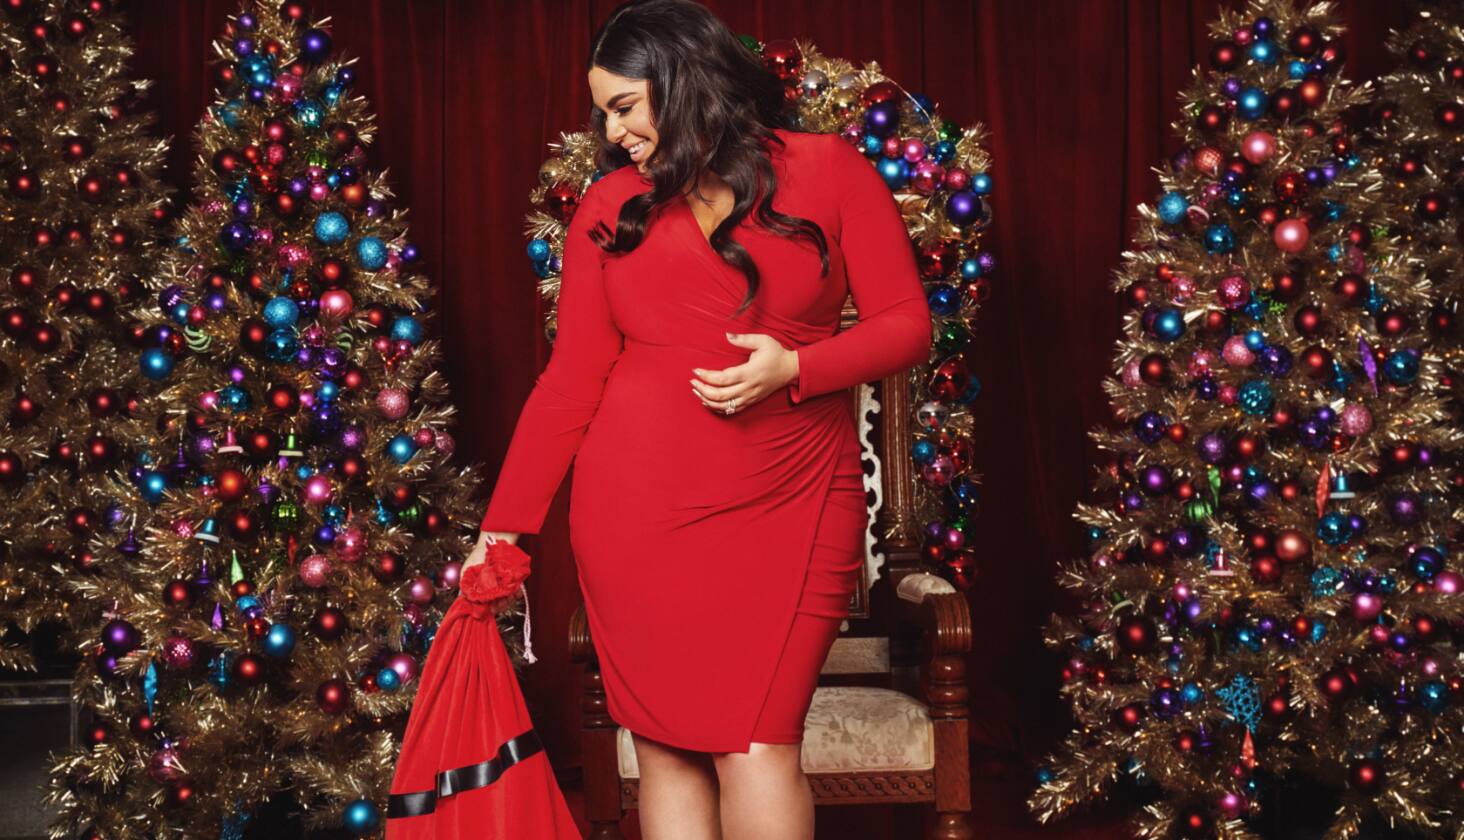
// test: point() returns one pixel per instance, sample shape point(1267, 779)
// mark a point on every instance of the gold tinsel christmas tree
point(1271, 594)
point(1416, 137)
point(303, 523)
point(78, 208)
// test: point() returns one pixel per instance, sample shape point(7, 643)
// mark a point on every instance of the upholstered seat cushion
point(849, 729)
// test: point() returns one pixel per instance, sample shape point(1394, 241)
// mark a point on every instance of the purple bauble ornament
point(1406, 508)
point(964, 208)
point(120, 637)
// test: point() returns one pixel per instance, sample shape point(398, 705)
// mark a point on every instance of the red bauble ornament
point(783, 59)
point(1292, 546)
point(333, 696)
point(329, 623)
point(177, 593)
point(248, 669)
point(1135, 634)
point(562, 200)
point(231, 484)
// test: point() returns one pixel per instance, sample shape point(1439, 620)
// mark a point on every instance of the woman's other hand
point(770, 367)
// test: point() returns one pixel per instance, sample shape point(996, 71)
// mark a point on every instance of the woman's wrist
point(509, 537)
point(790, 366)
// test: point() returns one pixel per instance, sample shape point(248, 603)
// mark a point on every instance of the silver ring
point(732, 405)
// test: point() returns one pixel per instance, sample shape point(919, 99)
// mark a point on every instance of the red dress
point(716, 553)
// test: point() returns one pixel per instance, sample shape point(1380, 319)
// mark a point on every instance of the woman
point(718, 533)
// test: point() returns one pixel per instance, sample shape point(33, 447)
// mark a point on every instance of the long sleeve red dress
point(716, 553)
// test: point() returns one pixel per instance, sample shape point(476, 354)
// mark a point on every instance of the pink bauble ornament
point(1291, 235)
point(938, 472)
point(179, 652)
point(314, 173)
point(445, 443)
point(1210, 194)
point(451, 575)
point(1366, 606)
point(424, 437)
point(1235, 352)
point(1181, 288)
point(209, 400)
point(319, 191)
point(213, 207)
point(1228, 394)
point(264, 236)
point(288, 86)
point(852, 133)
point(314, 571)
point(1233, 291)
point(318, 490)
point(165, 765)
point(1233, 805)
point(1449, 582)
point(404, 665)
point(957, 179)
point(350, 544)
point(392, 403)
point(420, 590)
point(927, 177)
point(1201, 363)
point(336, 303)
point(1258, 147)
point(293, 256)
point(1131, 376)
point(313, 335)
point(275, 153)
point(414, 615)
point(913, 150)
point(1356, 420)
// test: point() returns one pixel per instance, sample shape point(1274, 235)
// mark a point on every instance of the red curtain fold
point(1078, 95)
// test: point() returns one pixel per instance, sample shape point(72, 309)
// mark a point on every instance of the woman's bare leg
point(678, 792)
point(765, 795)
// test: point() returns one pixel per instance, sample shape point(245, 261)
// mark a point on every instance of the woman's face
point(627, 107)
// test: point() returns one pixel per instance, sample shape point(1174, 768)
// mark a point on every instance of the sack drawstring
point(528, 625)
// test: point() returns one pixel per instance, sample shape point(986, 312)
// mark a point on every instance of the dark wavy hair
point(714, 107)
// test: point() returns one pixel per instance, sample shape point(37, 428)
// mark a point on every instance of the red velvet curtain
point(1078, 94)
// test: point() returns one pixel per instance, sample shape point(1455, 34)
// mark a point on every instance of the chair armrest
point(581, 649)
point(915, 586)
point(943, 615)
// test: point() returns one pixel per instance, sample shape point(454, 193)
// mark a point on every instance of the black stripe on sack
point(461, 779)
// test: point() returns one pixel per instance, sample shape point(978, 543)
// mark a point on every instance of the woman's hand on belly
point(770, 367)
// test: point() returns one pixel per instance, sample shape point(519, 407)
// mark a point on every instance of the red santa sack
point(471, 764)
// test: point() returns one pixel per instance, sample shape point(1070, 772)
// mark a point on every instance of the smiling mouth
point(636, 149)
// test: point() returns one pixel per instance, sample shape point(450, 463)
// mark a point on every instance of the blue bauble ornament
point(1252, 103)
point(152, 486)
point(894, 171)
point(315, 45)
point(871, 145)
point(230, 112)
point(1401, 366)
point(1426, 562)
point(388, 680)
point(281, 312)
point(1263, 52)
point(361, 817)
point(331, 228)
point(406, 328)
point(882, 119)
point(234, 398)
point(964, 207)
point(1219, 239)
point(943, 152)
point(923, 451)
point(236, 236)
point(309, 113)
point(944, 299)
point(1191, 694)
point(1150, 427)
point(1296, 70)
point(981, 183)
point(539, 250)
point(327, 391)
point(1168, 324)
point(1255, 398)
point(970, 268)
point(333, 515)
point(280, 345)
point(1334, 528)
point(1172, 208)
point(156, 363)
point(257, 71)
point(370, 253)
point(279, 641)
point(401, 448)
point(1434, 695)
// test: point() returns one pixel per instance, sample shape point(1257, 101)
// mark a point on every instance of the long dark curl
point(714, 107)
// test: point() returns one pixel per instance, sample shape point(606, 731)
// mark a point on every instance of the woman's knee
point(760, 760)
point(650, 751)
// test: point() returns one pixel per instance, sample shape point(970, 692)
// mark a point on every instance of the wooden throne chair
point(888, 723)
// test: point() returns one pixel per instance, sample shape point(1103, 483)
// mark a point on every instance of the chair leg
point(601, 762)
point(952, 826)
